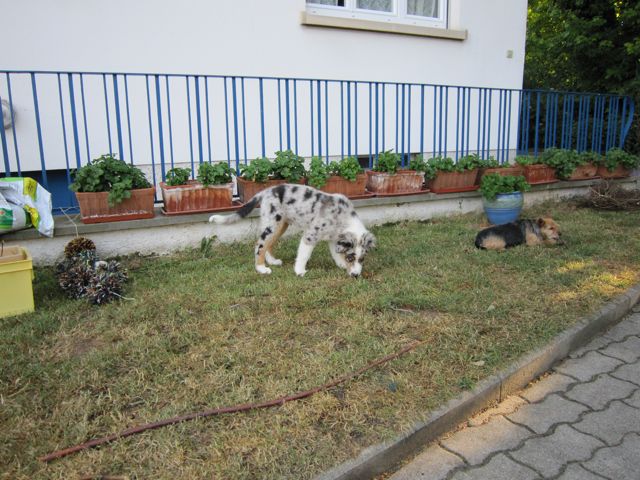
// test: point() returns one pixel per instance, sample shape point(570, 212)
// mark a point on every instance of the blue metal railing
point(61, 120)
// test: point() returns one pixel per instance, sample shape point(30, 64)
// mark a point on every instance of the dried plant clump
point(83, 275)
point(77, 245)
point(609, 195)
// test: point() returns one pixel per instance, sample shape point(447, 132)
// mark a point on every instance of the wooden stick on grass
point(234, 409)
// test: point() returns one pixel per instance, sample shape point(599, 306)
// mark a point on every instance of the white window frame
point(398, 16)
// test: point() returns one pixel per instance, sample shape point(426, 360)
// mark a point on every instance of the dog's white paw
point(300, 272)
point(263, 270)
point(271, 260)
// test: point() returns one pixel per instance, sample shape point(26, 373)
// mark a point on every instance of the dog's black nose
point(355, 275)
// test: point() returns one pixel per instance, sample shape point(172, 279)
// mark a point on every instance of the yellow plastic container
point(16, 274)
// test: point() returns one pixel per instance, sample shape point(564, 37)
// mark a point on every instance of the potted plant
point(535, 171)
point(617, 163)
point(450, 176)
point(289, 167)
point(255, 177)
point(563, 161)
point(213, 189)
point(345, 176)
point(586, 166)
point(387, 178)
point(502, 197)
point(110, 190)
point(263, 173)
point(491, 165)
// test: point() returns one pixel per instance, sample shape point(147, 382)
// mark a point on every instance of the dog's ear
point(368, 241)
point(345, 242)
point(541, 222)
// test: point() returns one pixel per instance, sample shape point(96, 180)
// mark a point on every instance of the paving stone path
point(581, 421)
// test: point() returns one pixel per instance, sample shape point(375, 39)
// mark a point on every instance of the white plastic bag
point(26, 193)
point(12, 217)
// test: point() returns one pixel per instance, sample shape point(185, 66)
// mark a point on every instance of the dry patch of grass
point(206, 331)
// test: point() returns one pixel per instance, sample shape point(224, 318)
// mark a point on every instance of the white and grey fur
point(321, 216)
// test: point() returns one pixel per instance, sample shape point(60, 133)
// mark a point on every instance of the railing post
point(13, 122)
point(319, 95)
point(244, 120)
point(151, 146)
point(261, 87)
point(84, 117)
point(126, 98)
point(64, 136)
point(36, 108)
point(106, 109)
point(208, 116)
point(116, 100)
point(5, 149)
point(160, 134)
point(235, 121)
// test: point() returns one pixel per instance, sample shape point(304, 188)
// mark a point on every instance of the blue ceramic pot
point(505, 208)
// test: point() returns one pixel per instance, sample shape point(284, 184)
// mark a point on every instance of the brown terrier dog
point(530, 232)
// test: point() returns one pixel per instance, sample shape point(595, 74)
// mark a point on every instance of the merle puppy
point(321, 216)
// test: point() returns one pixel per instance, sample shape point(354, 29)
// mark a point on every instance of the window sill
point(372, 26)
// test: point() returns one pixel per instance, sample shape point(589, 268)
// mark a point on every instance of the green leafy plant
point(589, 157)
point(109, 174)
point(206, 246)
point(525, 160)
point(318, 173)
point(258, 170)
point(214, 173)
point(442, 164)
point(494, 184)
point(419, 164)
point(617, 156)
point(347, 168)
point(288, 166)
point(491, 163)
point(446, 164)
point(469, 162)
point(387, 162)
point(177, 176)
point(564, 161)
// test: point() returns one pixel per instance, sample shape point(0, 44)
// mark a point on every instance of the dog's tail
point(241, 213)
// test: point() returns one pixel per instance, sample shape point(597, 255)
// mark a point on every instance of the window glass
point(423, 8)
point(377, 5)
point(334, 3)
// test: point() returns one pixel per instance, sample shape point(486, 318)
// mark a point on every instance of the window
point(428, 13)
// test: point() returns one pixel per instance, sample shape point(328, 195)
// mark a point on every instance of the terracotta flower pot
point(94, 207)
point(619, 172)
point(401, 182)
point(513, 170)
point(539, 173)
point(194, 197)
point(449, 182)
point(248, 188)
point(337, 184)
point(584, 172)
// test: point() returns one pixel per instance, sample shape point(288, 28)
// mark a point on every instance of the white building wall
point(251, 37)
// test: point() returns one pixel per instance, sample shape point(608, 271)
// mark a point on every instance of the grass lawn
point(205, 330)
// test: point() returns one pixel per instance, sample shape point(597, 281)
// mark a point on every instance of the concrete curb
point(380, 458)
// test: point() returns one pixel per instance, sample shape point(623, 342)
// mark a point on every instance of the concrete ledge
point(166, 234)
point(386, 27)
point(381, 458)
